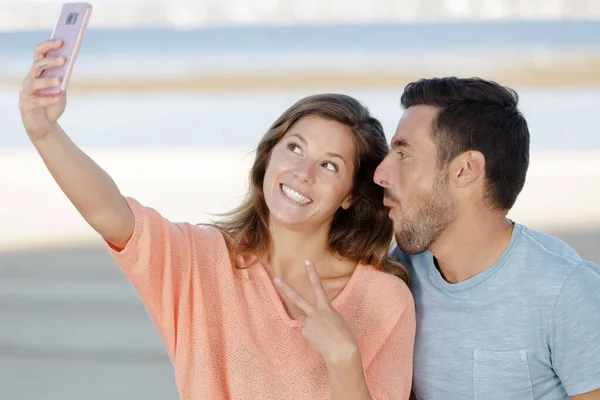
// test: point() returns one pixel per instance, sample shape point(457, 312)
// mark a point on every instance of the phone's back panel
point(70, 28)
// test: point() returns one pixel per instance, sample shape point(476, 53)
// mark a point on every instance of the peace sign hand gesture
point(323, 327)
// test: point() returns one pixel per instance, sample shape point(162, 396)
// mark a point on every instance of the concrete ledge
point(561, 192)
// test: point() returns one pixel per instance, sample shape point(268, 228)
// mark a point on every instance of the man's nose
point(380, 176)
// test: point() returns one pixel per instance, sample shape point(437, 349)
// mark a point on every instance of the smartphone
point(70, 28)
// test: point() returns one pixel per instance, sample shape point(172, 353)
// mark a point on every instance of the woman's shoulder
point(385, 289)
point(181, 234)
point(384, 307)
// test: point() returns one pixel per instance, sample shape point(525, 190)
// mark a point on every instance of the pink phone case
point(70, 29)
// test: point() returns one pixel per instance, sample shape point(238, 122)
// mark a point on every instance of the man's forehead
point(415, 125)
point(414, 131)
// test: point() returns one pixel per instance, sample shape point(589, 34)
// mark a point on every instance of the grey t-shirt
point(526, 328)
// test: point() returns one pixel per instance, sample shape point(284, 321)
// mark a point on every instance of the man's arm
point(574, 333)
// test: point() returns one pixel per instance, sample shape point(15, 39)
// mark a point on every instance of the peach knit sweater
point(226, 330)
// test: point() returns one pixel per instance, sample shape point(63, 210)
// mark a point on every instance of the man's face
point(416, 191)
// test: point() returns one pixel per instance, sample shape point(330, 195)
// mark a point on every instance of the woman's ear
point(347, 203)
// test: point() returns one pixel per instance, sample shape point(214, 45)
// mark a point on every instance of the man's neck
point(471, 245)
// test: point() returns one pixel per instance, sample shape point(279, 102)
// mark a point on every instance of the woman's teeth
point(297, 197)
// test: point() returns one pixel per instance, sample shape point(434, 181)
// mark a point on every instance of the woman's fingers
point(44, 47)
point(38, 84)
point(316, 283)
point(294, 296)
point(40, 66)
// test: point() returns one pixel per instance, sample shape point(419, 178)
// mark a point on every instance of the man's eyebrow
point(400, 143)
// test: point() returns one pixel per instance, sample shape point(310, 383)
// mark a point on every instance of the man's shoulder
point(548, 245)
point(553, 256)
point(540, 255)
point(560, 274)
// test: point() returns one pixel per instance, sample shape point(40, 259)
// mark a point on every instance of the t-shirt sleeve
point(389, 375)
point(574, 331)
point(161, 261)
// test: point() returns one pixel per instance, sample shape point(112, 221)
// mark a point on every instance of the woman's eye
point(331, 166)
point(294, 148)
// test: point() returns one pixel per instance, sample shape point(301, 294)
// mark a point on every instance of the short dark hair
point(481, 115)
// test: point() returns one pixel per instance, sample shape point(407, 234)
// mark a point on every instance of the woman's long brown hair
point(363, 232)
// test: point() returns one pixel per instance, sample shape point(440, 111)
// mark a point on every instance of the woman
point(287, 298)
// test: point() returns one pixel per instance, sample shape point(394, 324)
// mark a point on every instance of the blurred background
point(170, 97)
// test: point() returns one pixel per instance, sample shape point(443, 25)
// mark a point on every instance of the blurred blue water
point(150, 51)
point(400, 37)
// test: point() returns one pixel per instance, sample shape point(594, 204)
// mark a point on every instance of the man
point(503, 312)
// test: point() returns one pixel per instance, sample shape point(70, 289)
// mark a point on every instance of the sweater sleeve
point(389, 375)
point(161, 262)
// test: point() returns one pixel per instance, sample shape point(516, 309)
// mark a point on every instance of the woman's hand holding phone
point(41, 113)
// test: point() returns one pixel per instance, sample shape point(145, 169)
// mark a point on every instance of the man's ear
point(467, 168)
